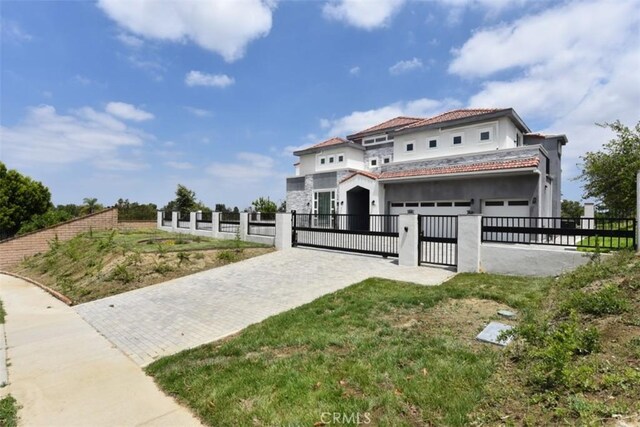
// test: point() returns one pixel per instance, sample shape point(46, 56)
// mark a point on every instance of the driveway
point(159, 320)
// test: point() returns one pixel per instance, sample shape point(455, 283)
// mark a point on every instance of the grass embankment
point(8, 412)
point(95, 265)
point(2, 312)
point(400, 354)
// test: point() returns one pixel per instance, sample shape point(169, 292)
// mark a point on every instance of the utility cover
point(492, 331)
point(507, 313)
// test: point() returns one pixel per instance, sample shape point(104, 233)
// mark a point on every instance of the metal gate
point(369, 234)
point(438, 239)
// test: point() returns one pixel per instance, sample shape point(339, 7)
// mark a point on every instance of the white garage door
point(505, 208)
point(444, 207)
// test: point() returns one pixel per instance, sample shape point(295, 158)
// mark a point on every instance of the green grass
point(607, 244)
point(2, 313)
point(350, 353)
point(8, 412)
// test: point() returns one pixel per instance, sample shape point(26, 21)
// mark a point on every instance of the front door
point(323, 207)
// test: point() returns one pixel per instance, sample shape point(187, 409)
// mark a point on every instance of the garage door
point(505, 208)
point(443, 207)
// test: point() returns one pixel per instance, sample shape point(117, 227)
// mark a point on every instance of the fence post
point(469, 243)
point(588, 212)
point(174, 221)
point(159, 215)
point(283, 231)
point(193, 217)
point(215, 224)
point(408, 240)
point(244, 225)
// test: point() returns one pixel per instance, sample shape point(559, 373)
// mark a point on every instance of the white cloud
point(119, 164)
point(354, 71)
point(197, 78)
point(13, 32)
point(224, 27)
point(84, 81)
point(128, 112)
point(130, 40)
point(359, 120)
point(154, 67)
point(83, 135)
point(179, 165)
point(247, 168)
point(199, 112)
point(405, 66)
point(364, 14)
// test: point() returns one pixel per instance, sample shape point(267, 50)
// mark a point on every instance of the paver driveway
point(163, 319)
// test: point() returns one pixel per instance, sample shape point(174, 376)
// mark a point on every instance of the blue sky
point(115, 99)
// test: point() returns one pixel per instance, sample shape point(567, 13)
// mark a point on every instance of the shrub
point(608, 300)
point(229, 256)
point(182, 257)
point(122, 274)
point(162, 268)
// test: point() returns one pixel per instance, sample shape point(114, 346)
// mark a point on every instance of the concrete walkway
point(164, 319)
point(63, 373)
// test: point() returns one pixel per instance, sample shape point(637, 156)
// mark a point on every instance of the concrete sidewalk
point(64, 373)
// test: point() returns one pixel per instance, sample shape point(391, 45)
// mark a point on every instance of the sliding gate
point(438, 239)
point(369, 234)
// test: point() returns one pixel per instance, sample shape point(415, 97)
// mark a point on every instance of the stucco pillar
point(283, 231)
point(215, 224)
point(469, 243)
point(244, 225)
point(408, 240)
point(174, 220)
point(638, 210)
point(193, 217)
point(589, 212)
point(159, 215)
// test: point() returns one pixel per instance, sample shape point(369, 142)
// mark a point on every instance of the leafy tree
point(236, 210)
point(264, 205)
point(609, 175)
point(136, 211)
point(91, 205)
point(20, 199)
point(47, 219)
point(283, 206)
point(185, 201)
point(221, 207)
point(571, 209)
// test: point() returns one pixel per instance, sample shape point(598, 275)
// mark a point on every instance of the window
point(462, 204)
point(518, 143)
point(373, 163)
point(397, 205)
point(331, 159)
point(433, 143)
point(409, 146)
point(518, 203)
point(427, 204)
point(412, 204)
point(445, 204)
point(457, 140)
point(494, 203)
point(340, 158)
point(381, 139)
point(368, 141)
point(485, 136)
point(386, 160)
point(323, 160)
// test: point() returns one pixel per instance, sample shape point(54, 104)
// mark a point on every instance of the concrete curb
point(4, 374)
point(45, 288)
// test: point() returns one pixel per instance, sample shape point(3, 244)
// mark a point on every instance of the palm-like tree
point(91, 203)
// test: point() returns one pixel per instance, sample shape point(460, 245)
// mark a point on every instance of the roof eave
point(526, 169)
point(312, 150)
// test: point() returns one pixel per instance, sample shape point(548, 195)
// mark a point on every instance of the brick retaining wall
point(15, 249)
point(136, 224)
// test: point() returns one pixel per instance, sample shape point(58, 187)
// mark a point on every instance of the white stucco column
point(215, 224)
point(638, 210)
point(469, 243)
point(244, 225)
point(193, 217)
point(174, 220)
point(159, 219)
point(283, 231)
point(589, 211)
point(408, 240)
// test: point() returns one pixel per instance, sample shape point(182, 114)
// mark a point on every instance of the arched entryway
point(358, 208)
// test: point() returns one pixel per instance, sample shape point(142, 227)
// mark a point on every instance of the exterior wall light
point(373, 203)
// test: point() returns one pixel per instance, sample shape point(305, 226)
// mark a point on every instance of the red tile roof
point(332, 141)
point(473, 167)
point(363, 173)
point(462, 113)
point(389, 124)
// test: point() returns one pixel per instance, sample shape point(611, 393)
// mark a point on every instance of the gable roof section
point(363, 173)
point(331, 141)
point(335, 141)
point(394, 123)
point(464, 168)
point(463, 116)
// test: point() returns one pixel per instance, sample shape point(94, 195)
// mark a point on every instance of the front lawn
point(96, 265)
point(395, 353)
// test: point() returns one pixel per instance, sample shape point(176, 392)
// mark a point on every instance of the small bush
point(162, 268)
point(134, 258)
point(608, 300)
point(229, 256)
point(182, 257)
point(122, 274)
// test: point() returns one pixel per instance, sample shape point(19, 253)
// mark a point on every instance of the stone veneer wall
point(15, 249)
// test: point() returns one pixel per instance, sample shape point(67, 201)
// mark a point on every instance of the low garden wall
point(15, 249)
point(136, 224)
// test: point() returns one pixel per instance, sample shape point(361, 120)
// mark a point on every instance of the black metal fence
point(166, 218)
point(229, 222)
point(184, 219)
point(262, 224)
point(204, 221)
point(370, 234)
point(438, 239)
point(603, 233)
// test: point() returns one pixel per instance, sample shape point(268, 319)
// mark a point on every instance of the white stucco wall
point(376, 194)
point(310, 163)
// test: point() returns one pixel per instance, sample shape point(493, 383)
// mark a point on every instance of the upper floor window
point(485, 135)
point(373, 163)
point(518, 142)
point(457, 140)
point(377, 139)
point(340, 158)
point(332, 159)
point(323, 160)
point(409, 146)
point(386, 160)
point(433, 143)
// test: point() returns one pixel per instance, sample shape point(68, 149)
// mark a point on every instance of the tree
point(609, 175)
point(264, 205)
point(20, 199)
point(221, 207)
point(571, 209)
point(185, 201)
point(283, 206)
point(91, 205)
point(136, 211)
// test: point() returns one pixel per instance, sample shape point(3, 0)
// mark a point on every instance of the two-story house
point(463, 161)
